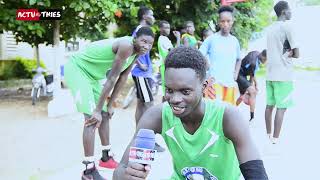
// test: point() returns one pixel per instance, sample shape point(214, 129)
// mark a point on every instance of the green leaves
point(32, 2)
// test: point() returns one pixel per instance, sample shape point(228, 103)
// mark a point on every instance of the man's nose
point(175, 98)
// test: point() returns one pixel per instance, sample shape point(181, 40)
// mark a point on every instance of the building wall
point(9, 49)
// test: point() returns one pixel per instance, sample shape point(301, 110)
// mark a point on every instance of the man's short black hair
point(205, 31)
point(280, 6)
point(185, 25)
point(145, 31)
point(142, 11)
point(264, 53)
point(187, 57)
point(225, 9)
point(162, 22)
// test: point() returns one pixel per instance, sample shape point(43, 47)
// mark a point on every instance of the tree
point(250, 16)
point(84, 19)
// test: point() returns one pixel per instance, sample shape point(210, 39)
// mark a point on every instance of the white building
point(9, 49)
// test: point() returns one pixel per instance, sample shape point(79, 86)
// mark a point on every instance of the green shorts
point(279, 93)
point(86, 92)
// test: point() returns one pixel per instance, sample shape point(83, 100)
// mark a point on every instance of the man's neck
point(196, 116)
point(161, 34)
point(143, 23)
point(282, 18)
point(224, 34)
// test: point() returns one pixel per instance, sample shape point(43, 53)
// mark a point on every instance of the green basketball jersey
point(97, 58)
point(207, 154)
point(191, 39)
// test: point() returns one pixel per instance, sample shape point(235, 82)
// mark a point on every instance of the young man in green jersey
point(83, 73)
point(207, 139)
point(164, 46)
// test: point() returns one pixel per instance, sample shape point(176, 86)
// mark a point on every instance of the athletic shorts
point(217, 91)
point(86, 92)
point(243, 84)
point(143, 87)
point(226, 94)
point(279, 93)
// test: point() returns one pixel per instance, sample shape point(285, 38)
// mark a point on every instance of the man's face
point(263, 59)
point(287, 13)
point(225, 22)
point(165, 29)
point(190, 28)
point(143, 44)
point(149, 18)
point(183, 90)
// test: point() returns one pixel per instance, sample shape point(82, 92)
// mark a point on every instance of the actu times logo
point(36, 15)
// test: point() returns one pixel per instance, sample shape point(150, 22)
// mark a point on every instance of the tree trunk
point(57, 57)
point(36, 49)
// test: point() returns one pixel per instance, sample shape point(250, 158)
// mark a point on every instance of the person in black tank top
point(248, 88)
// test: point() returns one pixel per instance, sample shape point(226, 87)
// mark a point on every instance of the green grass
point(307, 68)
point(262, 71)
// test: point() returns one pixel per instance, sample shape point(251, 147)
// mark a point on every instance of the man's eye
point(186, 92)
point(169, 90)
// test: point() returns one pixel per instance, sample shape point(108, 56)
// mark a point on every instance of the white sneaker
point(274, 140)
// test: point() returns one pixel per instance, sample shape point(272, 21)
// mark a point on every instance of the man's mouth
point(143, 51)
point(177, 110)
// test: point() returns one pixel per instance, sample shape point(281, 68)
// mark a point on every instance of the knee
point(270, 108)
point(88, 130)
point(105, 117)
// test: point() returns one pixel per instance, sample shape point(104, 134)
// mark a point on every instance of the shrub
point(18, 68)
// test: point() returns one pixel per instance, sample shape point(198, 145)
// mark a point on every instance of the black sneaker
point(91, 174)
point(159, 148)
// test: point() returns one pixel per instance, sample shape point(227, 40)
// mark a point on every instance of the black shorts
point(243, 84)
point(143, 87)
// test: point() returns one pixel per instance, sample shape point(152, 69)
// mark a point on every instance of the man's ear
point(204, 84)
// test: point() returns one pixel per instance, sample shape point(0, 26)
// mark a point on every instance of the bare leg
point(104, 131)
point(88, 139)
point(252, 100)
point(268, 118)
point(139, 108)
point(278, 121)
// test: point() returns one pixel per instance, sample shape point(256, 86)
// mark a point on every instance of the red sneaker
point(110, 164)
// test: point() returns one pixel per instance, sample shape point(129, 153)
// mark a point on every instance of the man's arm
point(255, 82)
point(119, 84)
point(238, 61)
point(237, 130)
point(292, 40)
point(177, 35)
point(142, 66)
point(123, 52)
point(185, 41)
point(237, 69)
point(295, 53)
point(151, 119)
point(204, 48)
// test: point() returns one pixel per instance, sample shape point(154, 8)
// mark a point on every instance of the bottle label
point(141, 155)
